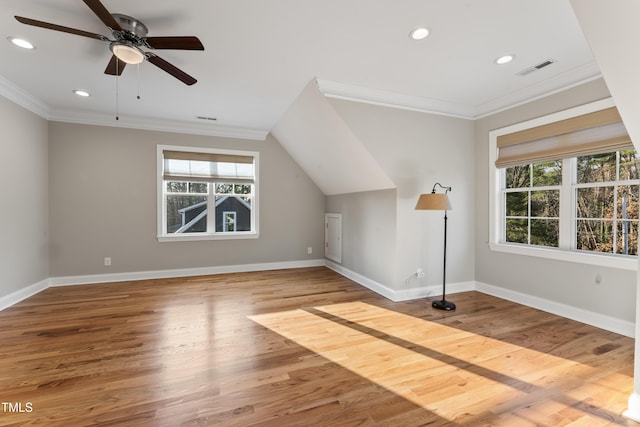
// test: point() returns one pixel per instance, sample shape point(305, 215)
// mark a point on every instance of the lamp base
point(444, 305)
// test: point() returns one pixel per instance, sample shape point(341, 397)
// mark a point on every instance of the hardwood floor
point(302, 347)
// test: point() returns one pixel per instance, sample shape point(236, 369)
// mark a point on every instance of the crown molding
point(393, 99)
point(575, 77)
point(23, 98)
point(161, 125)
point(559, 83)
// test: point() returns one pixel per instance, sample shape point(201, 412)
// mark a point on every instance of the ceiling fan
point(129, 39)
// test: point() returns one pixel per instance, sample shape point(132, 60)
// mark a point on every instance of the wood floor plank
point(301, 347)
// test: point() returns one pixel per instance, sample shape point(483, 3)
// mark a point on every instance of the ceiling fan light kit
point(129, 38)
point(127, 52)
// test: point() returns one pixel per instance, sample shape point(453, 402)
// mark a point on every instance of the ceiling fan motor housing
point(134, 31)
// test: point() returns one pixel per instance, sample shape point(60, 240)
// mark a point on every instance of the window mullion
point(567, 206)
point(211, 208)
point(615, 205)
point(529, 204)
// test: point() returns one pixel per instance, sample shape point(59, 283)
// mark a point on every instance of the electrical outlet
point(309, 250)
point(419, 273)
point(107, 261)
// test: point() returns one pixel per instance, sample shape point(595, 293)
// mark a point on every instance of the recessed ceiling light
point(419, 33)
point(82, 93)
point(505, 59)
point(21, 43)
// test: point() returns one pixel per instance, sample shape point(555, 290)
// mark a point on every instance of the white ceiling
point(259, 55)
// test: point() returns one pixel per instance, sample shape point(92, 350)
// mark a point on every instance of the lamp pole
point(444, 304)
point(439, 202)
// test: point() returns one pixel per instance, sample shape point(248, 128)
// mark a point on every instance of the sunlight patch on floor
point(429, 364)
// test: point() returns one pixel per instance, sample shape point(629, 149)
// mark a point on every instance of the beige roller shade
point(593, 133)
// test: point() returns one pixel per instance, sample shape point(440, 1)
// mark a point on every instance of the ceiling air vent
point(537, 67)
point(212, 119)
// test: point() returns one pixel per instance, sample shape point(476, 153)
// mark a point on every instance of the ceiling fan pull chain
point(117, 77)
point(138, 81)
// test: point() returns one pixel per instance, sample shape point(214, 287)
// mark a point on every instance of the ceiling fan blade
point(48, 26)
point(104, 15)
point(171, 69)
point(179, 42)
point(115, 66)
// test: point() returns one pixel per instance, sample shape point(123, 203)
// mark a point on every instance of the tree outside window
point(605, 196)
point(532, 200)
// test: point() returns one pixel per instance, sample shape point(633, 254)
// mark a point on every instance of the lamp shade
point(433, 202)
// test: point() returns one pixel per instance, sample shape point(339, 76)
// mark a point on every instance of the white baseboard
point(433, 291)
point(602, 321)
point(609, 323)
point(633, 410)
point(183, 272)
point(22, 294)
point(401, 294)
point(376, 287)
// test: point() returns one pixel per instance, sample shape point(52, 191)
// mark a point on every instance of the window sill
point(605, 260)
point(200, 237)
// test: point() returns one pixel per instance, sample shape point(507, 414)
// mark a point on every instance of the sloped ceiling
point(614, 36)
point(318, 139)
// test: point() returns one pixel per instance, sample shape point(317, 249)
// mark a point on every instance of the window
point(606, 192)
point(576, 199)
point(206, 194)
point(532, 203)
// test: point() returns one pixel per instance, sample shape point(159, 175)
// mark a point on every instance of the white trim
point(23, 98)
point(182, 272)
point(496, 209)
point(160, 125)
point(560, 83)
point(401, 101)
point(186, 237)
point(196, 237)
point(609, 323)
point(602, 321)
point(433, 291)
point(545, 88)
point(633, 411)
point(402, 294)
point(370, 284)
point(329, 252)
point(621, 262)
point(22, 294)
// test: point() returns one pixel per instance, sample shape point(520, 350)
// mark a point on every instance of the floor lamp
point(439, 202)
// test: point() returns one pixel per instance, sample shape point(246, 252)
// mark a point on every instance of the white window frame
point(496, 208)
point(162, 236)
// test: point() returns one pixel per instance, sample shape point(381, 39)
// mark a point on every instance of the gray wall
point(103, 204)
point(565, 282)
point(368, 232)
point(24, 258)
point(416, 150)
